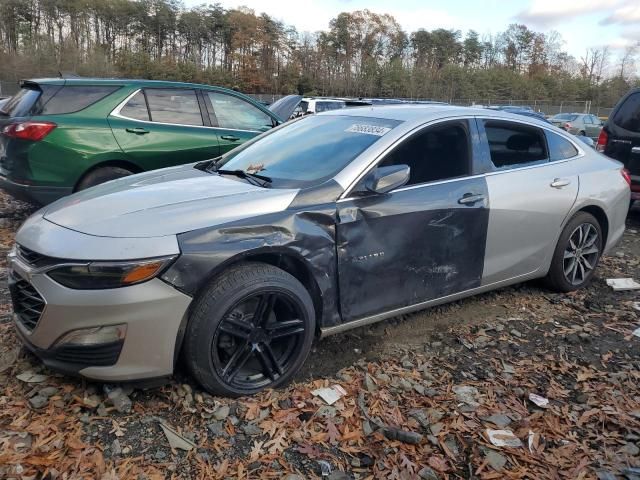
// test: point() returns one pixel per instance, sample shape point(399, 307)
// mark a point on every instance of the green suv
point(58, 136)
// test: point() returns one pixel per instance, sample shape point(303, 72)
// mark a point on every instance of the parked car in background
point(530, 113)
point(326, 223)
point(59, 136)
point(312, 105)
point(620, 137)
point(583, 124)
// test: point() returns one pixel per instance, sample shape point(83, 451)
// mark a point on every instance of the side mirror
point(385, 179)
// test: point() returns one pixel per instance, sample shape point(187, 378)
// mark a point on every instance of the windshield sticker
point(368, 129)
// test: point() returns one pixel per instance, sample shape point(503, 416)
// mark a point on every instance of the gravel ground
point(425, 395)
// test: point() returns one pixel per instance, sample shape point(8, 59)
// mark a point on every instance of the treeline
point(360, 54)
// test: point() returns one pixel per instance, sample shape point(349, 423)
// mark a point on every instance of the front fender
point(307, 235)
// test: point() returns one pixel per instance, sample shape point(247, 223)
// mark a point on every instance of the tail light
point(34, 131)
point(567, 126)
point(603, 138)
point(626, 175)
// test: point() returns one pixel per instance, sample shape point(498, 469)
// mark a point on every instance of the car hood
point(164, 202)
point(285, 107)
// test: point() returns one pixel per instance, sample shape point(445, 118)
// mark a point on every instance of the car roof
point(425, 113)
point(121, 81)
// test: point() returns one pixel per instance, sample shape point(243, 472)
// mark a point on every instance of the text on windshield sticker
point(368, 129)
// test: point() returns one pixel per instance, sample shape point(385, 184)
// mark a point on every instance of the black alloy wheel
point(258, 339)
point(251, 328)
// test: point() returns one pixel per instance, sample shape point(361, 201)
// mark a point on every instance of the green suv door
point(162, 127)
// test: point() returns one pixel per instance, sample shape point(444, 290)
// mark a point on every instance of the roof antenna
point(66, 75)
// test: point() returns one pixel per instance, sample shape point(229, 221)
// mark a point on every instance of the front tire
point(576, 255)
point(250, 329)
point(101, 175)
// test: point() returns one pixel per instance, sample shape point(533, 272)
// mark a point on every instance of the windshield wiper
point(253, 178)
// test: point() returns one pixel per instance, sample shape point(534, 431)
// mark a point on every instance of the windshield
point(565, 116)
point(326, 106)
point(309, 151)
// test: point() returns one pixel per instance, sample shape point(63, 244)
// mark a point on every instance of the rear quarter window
point(560, 148)
point(70, 99)
point(628, 115)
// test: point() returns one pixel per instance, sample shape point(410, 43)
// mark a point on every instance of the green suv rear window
point(70, 99)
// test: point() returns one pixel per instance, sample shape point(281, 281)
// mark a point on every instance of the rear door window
point(173, 105)
point(70, 99)
point(514, 145)
point(136, 108)
point(628, 115)
point(559, 147)
point(237, 114)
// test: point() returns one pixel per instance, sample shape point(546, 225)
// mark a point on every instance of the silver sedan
point(582, 124)
point(326, 223)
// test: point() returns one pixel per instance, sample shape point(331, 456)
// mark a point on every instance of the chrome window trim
point(380, 157)
point(116, 113)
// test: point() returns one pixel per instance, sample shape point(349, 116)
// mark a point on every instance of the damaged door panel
point(413, 245)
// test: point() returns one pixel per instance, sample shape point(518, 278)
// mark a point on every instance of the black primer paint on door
point(410, 246)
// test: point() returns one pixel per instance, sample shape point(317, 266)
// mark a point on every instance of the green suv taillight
point(33, 131)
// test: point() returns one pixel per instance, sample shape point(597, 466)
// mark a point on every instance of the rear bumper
point(33, 194)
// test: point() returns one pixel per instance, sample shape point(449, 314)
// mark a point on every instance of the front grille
point(32, 258)
point(27, 302)
point(89, 355)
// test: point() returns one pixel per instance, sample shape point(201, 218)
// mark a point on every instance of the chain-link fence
point(546, 107)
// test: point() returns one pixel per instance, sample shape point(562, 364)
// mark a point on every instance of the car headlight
point(104, 275)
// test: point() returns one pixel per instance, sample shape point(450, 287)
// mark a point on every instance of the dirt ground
point(424, 398)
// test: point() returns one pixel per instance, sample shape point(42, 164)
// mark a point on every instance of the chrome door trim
point(116, 113)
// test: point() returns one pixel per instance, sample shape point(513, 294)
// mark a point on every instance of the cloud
point(550, 12)
point(627, 14)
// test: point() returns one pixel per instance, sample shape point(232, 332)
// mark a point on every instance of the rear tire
point(576, 255)
point(101, 175)
point(582, 133)
point(250, 329)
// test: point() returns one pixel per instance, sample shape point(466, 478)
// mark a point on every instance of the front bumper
point(152, 311)
point(39, 195)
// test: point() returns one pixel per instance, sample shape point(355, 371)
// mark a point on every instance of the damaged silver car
point(330, 222)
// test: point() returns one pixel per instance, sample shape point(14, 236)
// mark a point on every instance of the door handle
point(560, 182)
point(231, 138)
point(138, 130)
point(470, 199)
point(635, 150)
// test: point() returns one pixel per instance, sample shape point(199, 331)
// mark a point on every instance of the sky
point(582, 23)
